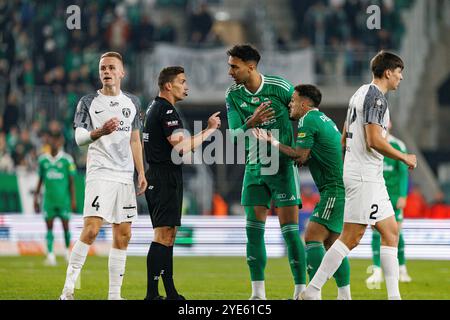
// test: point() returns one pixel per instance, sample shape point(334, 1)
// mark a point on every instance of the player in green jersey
point(56, 171)
point(395, 174)
point(319, 147)
point(257, 100)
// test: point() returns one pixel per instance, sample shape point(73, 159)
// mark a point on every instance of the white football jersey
point(367, 106)
point(110, 156)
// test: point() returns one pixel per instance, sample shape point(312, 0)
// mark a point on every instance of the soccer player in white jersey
point(109, 121)
point(366, 197)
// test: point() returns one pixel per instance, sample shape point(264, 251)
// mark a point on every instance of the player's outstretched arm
point(136, 150)
point(184, 145)
point(376, 141)
point(300, 155)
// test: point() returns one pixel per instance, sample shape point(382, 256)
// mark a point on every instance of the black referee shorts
point(164, 195)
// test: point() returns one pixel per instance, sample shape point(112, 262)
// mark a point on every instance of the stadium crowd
point(43, 63)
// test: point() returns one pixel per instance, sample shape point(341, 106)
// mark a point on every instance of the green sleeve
point(236, 126)
point(306, 133)
point(402, 171)
point(403, 175)
point(41, 172)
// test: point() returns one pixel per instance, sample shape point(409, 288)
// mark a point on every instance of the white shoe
point(116, 298)
point(310, 295)
point(66, 296)
point(404, 276)
point(376, 277)
point(256, 298)
point(51, 260)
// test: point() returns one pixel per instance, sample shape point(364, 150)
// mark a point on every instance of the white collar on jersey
point(104, 95)
point(260, 86)
point(57, 157)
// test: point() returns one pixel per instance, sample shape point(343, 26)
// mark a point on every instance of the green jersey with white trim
point(55, 172)
point(241, 104)
point(395, 172)
point(319, 133)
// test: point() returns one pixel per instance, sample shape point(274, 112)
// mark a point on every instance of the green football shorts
point(53, 212)
point(329, 211)
point(282, 188)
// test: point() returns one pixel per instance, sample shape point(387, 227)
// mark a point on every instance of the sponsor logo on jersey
point(113, 104)
point(172, 123)
point(281, 196)
point(169, 111)
point(126, 112)
point(255, 100)
point(378, 102)
point(243, 105)
point(98, 111)
point(301, 134)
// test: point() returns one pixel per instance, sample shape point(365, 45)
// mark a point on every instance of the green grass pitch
point(207, 278)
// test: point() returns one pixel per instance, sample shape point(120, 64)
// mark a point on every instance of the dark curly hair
point(311, 92)
point(245, 52)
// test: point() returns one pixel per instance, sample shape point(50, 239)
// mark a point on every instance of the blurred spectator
point(219, 206)
point(310, 198)
point(6, 162)
point(144, 33)
point(439, 209)
point(118, 32)
point(166, 31)
point(11, 114)
point(416, 206)
point(200, 23)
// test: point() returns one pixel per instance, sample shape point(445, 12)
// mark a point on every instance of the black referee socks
point(156, 260)
point(168, 275)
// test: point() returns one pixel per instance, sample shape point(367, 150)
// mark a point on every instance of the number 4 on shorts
point(95, 203)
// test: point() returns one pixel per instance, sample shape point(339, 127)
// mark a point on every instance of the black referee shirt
point(161, 120)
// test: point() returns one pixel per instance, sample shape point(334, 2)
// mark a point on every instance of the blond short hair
point(112, 54)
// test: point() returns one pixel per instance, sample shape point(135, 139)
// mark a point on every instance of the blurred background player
point(109, 121)
point(163, 138)
point(257, 100)
point(56, 172)
point(366, 197)
point(395, 174)
point(318, 146)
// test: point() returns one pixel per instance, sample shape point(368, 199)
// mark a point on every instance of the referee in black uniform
point(164, 142)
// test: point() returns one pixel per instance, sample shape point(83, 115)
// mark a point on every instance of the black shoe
point(155, 298)
point(178, 297)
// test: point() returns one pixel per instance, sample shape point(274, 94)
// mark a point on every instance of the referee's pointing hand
point(214, 121)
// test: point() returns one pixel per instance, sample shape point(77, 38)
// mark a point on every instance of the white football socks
point(116, 265)
point(299, 288)
point(76, 262)
point(330, 263)
point(259, 289)
point(344, 293)
point(389, 264)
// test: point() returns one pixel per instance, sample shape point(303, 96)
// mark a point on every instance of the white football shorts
point(115, 202)
point(366, 202)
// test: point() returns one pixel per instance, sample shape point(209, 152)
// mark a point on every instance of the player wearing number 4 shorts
point(318, 146)
point(109, 121)
point(366, 199)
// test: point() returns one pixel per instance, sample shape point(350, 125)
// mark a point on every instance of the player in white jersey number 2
point(109, 121)
point(366, 197)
